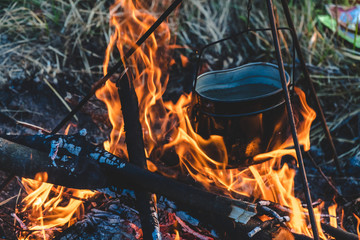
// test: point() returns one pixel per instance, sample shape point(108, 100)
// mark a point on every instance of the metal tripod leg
point(310, 84)
point(274, 31)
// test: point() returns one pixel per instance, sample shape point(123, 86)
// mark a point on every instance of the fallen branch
point(73, 162)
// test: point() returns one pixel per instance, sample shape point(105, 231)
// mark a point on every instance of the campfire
point(167, 126)
point(156, 148)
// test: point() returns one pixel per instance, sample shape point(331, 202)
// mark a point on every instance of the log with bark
point(72, 162)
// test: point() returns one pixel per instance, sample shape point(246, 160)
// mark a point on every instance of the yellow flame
point(177, 235)
point(332, 212)
point(46, 207)
point(166, 125)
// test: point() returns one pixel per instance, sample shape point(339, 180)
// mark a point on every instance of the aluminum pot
point(246, 106)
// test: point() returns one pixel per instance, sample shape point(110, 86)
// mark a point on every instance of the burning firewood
point(72, 162)
point(146, 201)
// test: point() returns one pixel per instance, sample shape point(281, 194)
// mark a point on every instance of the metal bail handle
point(202, 49)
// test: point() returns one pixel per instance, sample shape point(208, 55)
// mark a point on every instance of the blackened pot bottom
point(246, 107)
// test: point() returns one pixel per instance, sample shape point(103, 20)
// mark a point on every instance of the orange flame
point(177, 235)
point(358, 225)
point(261, 181)
point(150, 85)
point(46, 207)
point(184, 60)
point(332, 213)
point(166, 125)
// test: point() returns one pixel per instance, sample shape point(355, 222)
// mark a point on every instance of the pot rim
point(267, 64)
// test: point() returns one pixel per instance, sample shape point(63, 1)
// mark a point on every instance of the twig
point(263, 209)
point(291, 120)
point(59, 97)
point(21, 223)
point(311, 87)
point(24, 124)
point(186, 228)
point(324, 176)
point(267, 224)
point(7, 200)
point(6, 182)
point(32, 126)
point(16, 227)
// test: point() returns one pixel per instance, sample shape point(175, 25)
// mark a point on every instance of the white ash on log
point(72, 162)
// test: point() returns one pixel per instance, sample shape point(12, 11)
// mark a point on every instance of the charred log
point(338, 233)
point(135, 145)
point(72, 171)
point(73, 162)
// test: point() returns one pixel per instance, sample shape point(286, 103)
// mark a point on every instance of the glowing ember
point(166, 126)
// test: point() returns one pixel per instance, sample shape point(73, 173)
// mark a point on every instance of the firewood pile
point(97, 139)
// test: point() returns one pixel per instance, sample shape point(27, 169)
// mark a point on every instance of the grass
point(61, 37)
point(69, 38)
point(62, 34)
